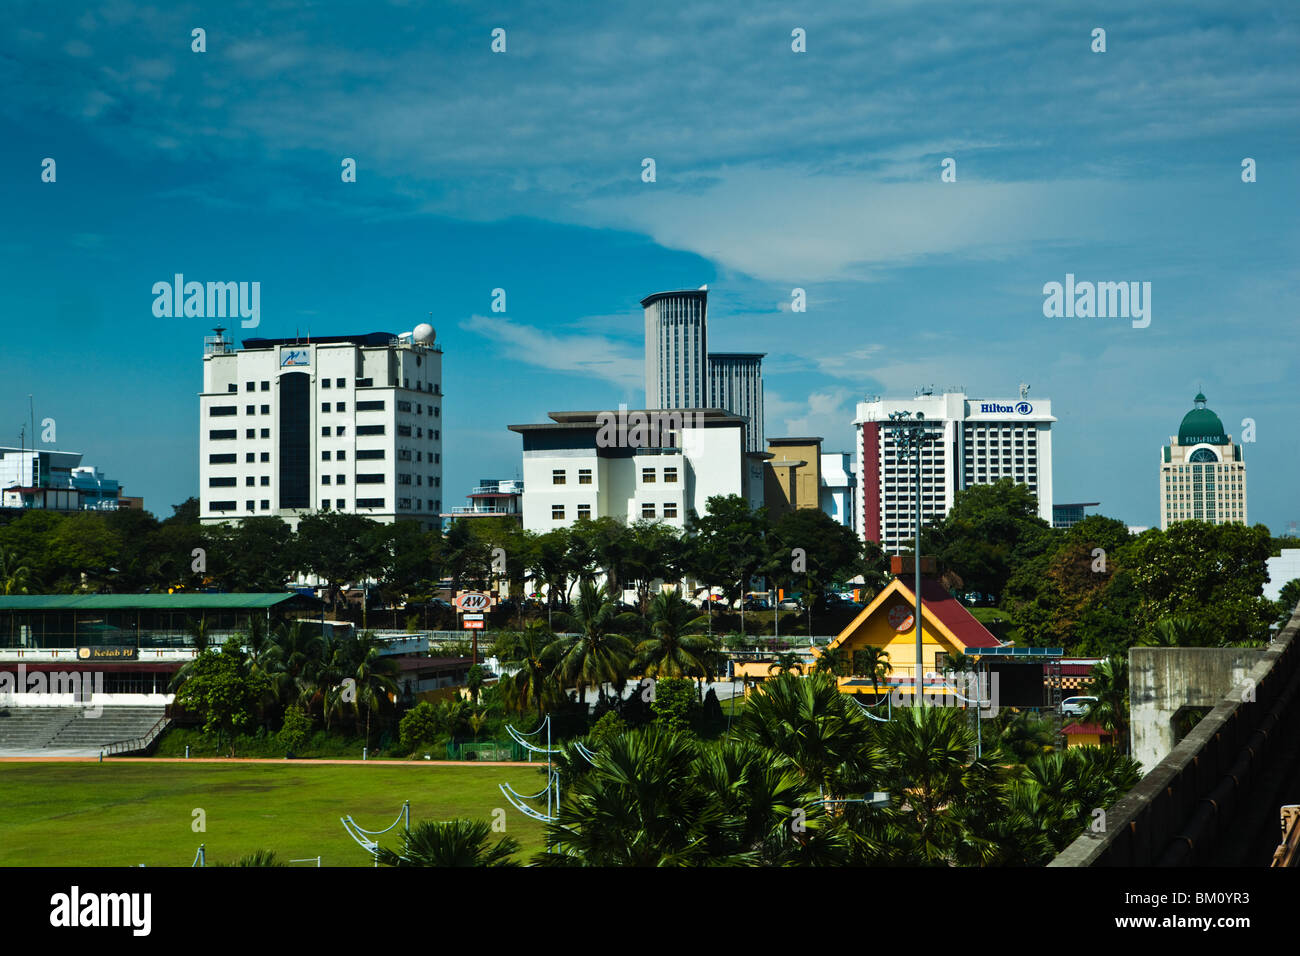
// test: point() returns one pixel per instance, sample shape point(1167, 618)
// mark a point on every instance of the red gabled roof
point(1076, 729)
point(952, 614)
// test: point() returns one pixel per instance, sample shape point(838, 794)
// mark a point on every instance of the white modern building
point(492, 498)
point(676, 349)
point(839, 488)
point(571, 471)
point(1202, 475)
point(349, 423)
point(736, 384)
point(974, 441)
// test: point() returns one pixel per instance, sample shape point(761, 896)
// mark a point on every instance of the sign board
point(900, 618)
point(292, 357)
point(473, 617)
point(107, 653)
point(473, 625)
point(473, 601)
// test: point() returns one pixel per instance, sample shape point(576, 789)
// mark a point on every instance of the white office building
point(571, 472)
point(348, 423)
point(973, 441)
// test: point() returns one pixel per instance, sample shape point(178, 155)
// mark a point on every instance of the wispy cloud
point(585, 354)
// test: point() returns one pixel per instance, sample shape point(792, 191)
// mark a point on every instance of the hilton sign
point(993, 408)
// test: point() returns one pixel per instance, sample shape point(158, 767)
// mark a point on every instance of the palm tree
point(1109, 684)
point(533, 683)
point(595, 654)
point(375, 676)
point(641, 804)
point(811, 724)
point(833, 661)
point(14, 576)
point(672, 650)
point(453, 843)
point(1176, 630)
point(872, 662)
point(787, 663)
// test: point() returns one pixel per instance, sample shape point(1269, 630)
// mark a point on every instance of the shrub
point(296, 730)
point(419, 726)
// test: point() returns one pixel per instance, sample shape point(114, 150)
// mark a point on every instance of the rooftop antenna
point(1024, 390)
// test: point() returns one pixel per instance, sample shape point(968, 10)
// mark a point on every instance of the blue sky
point(775, 170)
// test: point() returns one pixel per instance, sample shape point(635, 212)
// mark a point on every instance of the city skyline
point(775, 171)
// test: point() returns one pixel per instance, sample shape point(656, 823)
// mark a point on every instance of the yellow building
point(793, 478)
point(947, 629)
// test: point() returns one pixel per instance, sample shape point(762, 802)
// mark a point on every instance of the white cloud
point(586, 354)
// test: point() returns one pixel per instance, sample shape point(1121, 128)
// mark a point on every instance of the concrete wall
point(1162, 680)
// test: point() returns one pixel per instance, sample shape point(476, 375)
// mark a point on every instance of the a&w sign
point(473, 601)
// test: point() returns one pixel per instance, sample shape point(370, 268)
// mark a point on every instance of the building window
point(557, 512)
point(221, 459)
point(342, 455)
point(371, 406)
point(403, 431)
point(325, 383)
point(340, 479)
point(437, 458)
point(266, 386)
point(341, 430)
point(584, 476)
point(325, 504)
point(340, 406)
point(370, 479)
point(218, 411)
point(249, 480)
point(266, 481)
point(221, 482)
point(584, 511)
point(325, 432)
point(248, 506)
point(370, 502)
point(557, 476)
point(248, 456)
point(325, 456)
point(250, 409)
point(401, 406)
point(221, 434)
point(342, 503)
point(647, 511)
point(325, 480)
point(670, 476)
point(266, 433)
point(341, 382)
point(367, 454)
point(373, 430)
point(266, 409)
point(437, 434)
point(670, 511)
point(265, 504)
point(232, 387)
point(324, 406)
point(248, 386)
point(648, 476)
point(437, 412)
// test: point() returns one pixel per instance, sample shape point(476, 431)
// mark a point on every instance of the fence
point(139, 744)
point(485, 750)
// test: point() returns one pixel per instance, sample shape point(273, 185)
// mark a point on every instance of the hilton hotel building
point(975, 441)
point(348, 423)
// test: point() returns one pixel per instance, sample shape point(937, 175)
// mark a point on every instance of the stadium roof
point(146, 602)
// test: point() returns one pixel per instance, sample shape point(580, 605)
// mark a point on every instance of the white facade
point(838, 492)
point(1281, 570)
point(568, 476)
point(975, 441)
point(342, 423)
point(676, 349)
point(736, 384)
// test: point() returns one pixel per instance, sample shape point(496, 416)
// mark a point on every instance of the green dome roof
point(1201, 426)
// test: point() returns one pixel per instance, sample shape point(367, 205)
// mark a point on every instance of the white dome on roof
point(424, 333)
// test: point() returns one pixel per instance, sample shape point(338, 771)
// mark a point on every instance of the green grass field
point(125, 814)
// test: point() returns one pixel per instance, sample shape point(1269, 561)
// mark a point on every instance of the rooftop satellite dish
point(705, 287)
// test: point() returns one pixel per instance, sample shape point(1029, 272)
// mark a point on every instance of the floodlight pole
point(910, 434)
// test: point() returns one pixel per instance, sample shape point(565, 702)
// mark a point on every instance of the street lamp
point(910, 435)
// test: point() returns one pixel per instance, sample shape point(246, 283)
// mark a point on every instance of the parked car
point(1076, 706)
point(755, 604)
point(790, 604)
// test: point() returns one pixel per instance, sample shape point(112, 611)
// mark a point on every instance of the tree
point(726, 547)
point(672, 650)
point(334, 546)
point(13, 575)
point(595, 655)
point(833, 661)
point(297, 728)
point(828, 551)
point(990, 530)
point(1213, 573)
point(451, 843)
point(373, 675)
point(1287, 602)
point(672, 702)
point(1109, 684)
point(418, 727)
point(872, 662)
point(788, 663)
point(652, 551)
point(533, 659)
point(222, 689)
